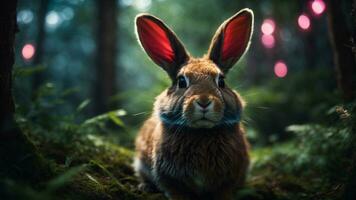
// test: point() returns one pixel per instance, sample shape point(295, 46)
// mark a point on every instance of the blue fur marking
point(172, 119)
point(228, 119)
point(231, 118)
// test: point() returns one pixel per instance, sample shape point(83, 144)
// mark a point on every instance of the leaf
point(98, 141)
point(297, 128)
point(95, 119)
point(107, 172)
point(92, 179)
point(64, 178)
point(70, 91)
point(82, 105)
point(46, 89)
point(28, 71)
point(114, 117)
point(120, 112)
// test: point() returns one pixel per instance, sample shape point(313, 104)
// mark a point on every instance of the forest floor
point(86, 163)
point(94, 168)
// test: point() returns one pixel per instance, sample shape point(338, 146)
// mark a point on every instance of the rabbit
point(193, 145)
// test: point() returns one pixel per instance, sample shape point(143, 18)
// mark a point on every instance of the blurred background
point(85, 51)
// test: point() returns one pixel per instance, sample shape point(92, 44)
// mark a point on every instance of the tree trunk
point(350, 193)
point(37, 60)
point(18, 157)
point(344, 59)
point(354, 29)
point(106, 55)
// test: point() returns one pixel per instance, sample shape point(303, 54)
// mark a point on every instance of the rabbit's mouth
point(203, 123)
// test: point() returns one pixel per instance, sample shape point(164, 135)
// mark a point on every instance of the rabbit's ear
point(231, 40)
point(160, 43)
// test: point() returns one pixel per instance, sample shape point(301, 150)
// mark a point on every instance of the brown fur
point(193, 165)
point(189, 157)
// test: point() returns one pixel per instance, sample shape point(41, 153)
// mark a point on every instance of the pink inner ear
point(155, 41)
point(236, 37)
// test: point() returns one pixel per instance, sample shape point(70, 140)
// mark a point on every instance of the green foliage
point(299, 98)
point(81, 153)
point(47, 113)
point(315, 165)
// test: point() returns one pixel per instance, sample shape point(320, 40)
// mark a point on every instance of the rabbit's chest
point(199, 160)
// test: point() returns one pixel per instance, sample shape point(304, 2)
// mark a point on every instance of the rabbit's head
point(198, 96)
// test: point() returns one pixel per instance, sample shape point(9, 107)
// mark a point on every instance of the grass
point(98, 169)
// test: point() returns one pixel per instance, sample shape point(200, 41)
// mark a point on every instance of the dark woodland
point(76, 86)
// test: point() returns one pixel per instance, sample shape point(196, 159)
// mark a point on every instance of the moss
point(92, 167)
point(274, 175)
point(103, 171)
point(107, 172)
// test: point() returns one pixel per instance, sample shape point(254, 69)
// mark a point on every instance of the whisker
point(141, 113)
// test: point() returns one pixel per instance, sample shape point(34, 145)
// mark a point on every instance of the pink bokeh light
point(268, 26)
point(318, 6)
point(28, 51)
point(268, 41)
point(304, 22)
point(280, 69)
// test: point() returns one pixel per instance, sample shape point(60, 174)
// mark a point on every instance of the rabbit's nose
point(203, 103)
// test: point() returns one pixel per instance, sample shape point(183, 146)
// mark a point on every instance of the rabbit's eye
point(220, 82)
point(182, 82)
